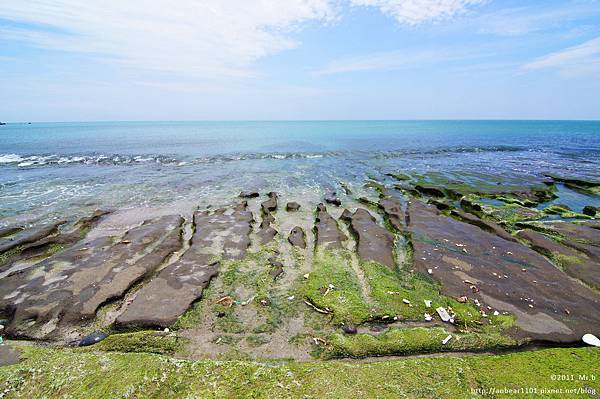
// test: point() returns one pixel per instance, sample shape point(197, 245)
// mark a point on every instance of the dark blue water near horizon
point(49, 169)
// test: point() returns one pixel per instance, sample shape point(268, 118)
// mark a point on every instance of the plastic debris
point(406, 301)
point(462, 299)
point(291, 298)
point(446, 340)
point(427, 303)
point(306, 275)
point(166, 330)
point(496, 313)
point(247, 301)
point(443, 313)
point(428, 317)
point(591, 339)
point(429, 271)
point(93, 338)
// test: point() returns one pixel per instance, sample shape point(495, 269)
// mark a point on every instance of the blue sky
point(66, 60)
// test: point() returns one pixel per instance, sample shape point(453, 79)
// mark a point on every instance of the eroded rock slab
point(585, 267)
point(576, 232)
point(49, 244)
point(470, 262)
point(486, 225)
point(328, 234)
point(375, 243)
point(223, 234)
point(395, 212)
point(67, 289)
point(28, 236)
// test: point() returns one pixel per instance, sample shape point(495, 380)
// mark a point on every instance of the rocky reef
point(426, 263)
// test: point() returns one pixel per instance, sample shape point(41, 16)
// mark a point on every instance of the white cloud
point(583, 59)
point(208, 37)
point(414, 12)
point(201, 38)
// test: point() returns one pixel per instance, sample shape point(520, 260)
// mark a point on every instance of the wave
point(38, 160)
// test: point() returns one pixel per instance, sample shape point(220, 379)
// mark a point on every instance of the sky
point(73, 60)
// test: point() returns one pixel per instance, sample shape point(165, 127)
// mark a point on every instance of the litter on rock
point(443, 313)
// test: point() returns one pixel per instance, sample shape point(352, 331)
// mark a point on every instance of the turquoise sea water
point(50, 169)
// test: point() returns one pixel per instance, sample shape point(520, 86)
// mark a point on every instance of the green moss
point(141, 341)
point(7, 256)
point(406, 341)
point(344, 301)
point(54, 249)
point(564, 212)
point(51, 373)
point(390, 287)
point(257, 340)
point(227, 321)
point(399, 176)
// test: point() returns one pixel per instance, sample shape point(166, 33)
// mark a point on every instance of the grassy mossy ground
point(139, 341)
point(61, 373)
point(407, 341)
point(344, 301)
point(385, 296)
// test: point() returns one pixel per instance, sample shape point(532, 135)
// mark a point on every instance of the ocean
point(57, 170)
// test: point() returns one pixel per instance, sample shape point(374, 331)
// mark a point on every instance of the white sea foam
point(10, 158)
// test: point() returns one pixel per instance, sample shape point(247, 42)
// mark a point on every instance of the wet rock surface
point(297, 237)
point(375, 243)
point(222, 234)
point(270, 205)
point(27, 236)
point(504, 275)
point(292, 206)
point(327, 231)
point(249, 194)
point(333, 199)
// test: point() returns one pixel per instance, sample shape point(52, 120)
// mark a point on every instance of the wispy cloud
point(583, 59)
point(414, 12)
point(209, 37)
point(399, 59)
point(519, 21)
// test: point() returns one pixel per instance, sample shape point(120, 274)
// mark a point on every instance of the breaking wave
point(40, 160)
